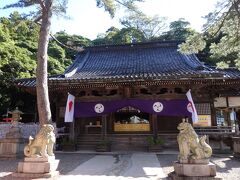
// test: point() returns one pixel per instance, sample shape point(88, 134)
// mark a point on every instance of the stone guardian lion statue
point(190, 146)
point(42, 144)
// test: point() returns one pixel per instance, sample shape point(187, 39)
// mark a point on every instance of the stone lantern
point(12, 145)
point(16, 116)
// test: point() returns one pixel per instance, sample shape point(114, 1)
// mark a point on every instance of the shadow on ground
point(70, 161)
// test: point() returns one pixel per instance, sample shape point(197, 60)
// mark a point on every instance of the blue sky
point(89, 21)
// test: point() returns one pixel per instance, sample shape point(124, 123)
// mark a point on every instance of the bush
point(154, 141)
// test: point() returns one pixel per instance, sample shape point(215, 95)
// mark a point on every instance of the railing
point(215, 130)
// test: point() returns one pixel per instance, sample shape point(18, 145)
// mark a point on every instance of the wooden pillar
point(110, 123)
point(36, 113)
point(57, 115)
point(228, 113)
point(127, 92)
point(237, 123)
point(154, 125)
point(72, 130)
point(104, 126)
point(213, 113)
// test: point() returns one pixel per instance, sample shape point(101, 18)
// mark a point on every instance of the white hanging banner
point(191, 107)
point(69, 109)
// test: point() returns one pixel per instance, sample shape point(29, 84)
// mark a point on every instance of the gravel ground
point(228, 167)
point(68, 162)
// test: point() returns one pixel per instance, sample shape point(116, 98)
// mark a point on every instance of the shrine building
point(127, 92)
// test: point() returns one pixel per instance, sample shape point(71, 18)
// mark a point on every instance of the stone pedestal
point(186, 171)
point(236, 146)
point(195, 169)
point(12, 145)
point(11, 148)
point(38, 167)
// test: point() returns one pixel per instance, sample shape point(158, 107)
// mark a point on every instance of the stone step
point(123, 142)
point(86, 147)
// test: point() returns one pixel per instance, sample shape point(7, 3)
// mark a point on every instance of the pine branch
point(79, 49)
point(128, 7)
point(223, 20)
point(41, 3)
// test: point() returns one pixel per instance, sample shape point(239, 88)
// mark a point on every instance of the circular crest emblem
point(190, 107)
point(99, 108)
point(157, 107)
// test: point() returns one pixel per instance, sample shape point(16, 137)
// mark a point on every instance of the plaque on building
point(203, 121)
point(220, 102)
point(234, 101)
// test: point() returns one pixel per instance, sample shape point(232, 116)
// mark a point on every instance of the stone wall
point(27, 129)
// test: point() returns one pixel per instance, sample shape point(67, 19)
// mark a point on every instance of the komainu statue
point(190, 146)
point(42, 144)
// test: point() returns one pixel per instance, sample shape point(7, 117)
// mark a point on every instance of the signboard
point(220, 102)
point(203, 121)
point(234, 101)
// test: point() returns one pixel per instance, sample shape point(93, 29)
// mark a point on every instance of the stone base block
point(195, 161)
point(236, 155)
point(236, 146)
point(174, 176)
point(195, 169)
point(11, 148)
point(37, 168)
point(39, 159)
point(52, 175)
point(10, 156)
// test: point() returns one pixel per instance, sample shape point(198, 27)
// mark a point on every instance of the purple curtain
point(159, 107)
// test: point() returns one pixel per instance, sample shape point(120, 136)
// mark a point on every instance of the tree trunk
point(43, 104)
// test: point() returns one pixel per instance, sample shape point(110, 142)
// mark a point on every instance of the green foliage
point(104, 143)
point(108, 5)
point(18, 54)
point(73, 41)
point(111, 5)
point(116, 36)
point(221, 36)
point(59, 7)
point(67, 141)
point(154, 141)
point(194, 44)
point(147, 25)
point(178, 30)
point(143, 28)
point(56, 51)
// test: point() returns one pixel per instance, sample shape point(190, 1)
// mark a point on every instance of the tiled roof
point(156, 60)
point(136, 62)
point(231, 72)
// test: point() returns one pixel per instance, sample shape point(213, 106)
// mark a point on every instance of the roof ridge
point(136, 45)
point(78, 64)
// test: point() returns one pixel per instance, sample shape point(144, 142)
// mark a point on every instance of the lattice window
point(203, 108)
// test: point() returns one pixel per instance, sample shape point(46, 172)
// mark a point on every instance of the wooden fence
point(215, 130)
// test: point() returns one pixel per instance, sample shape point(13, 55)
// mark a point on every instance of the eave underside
point(55, 85)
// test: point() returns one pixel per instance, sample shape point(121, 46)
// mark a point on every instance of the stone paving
point(121, 166)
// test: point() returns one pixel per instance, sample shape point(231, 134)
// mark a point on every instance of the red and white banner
point(69, 109)
point(191, 107)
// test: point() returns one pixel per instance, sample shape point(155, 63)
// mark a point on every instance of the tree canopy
point(178, 30)
point(220, 39)
point(150, 26)
point(18, 48)
point(45, 63)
